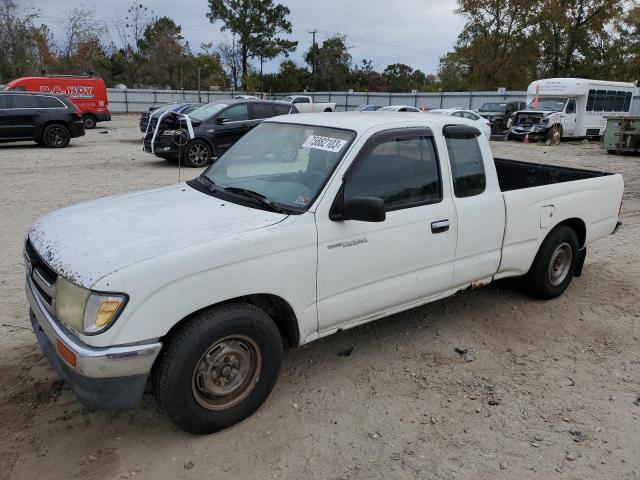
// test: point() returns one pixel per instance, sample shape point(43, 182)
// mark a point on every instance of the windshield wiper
point(258, 197)
point(210, 184)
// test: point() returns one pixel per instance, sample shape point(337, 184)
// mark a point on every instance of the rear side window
point(302, 100)
point(403, 173)
point(49, 102)
point(590, 100)
point(4, 101)
point(610, 103)
point(24, 101)
point(598, 106)
point(283, 109)
point(261, 110)
point(467, 167)
point(627, 101)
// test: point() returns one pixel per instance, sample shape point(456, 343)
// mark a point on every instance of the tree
point(365, 77)
point(231, 59)
point(332, 62)
point(163, 49)
point(80, 28)
point(24, 48)
point(568, 29)
point(132, 28)
point(257, 23)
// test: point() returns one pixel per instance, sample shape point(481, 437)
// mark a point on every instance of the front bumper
point(102, 377)
point(521, 134)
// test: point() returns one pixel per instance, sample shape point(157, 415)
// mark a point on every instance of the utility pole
point(199, 98)
point(313, 44)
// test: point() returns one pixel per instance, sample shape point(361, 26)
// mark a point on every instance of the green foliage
point(257, 24)
point(332, 63)
point(509, 43)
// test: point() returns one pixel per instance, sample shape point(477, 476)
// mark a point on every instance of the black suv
point(208, 131)
point(498, 114)
point(47, 119)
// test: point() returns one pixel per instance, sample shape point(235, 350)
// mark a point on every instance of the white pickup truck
point(305, 104)
point(198, 285)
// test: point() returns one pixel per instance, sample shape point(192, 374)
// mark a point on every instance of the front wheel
point(218, 368)
point(555, 264)
point(197, 154)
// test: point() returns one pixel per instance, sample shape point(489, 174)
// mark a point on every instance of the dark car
point(210, 130)
point(50, 120)
point(168, 107)
point(498, 114)
point(368, 108)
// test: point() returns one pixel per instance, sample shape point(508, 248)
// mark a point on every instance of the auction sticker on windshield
point(324, 143)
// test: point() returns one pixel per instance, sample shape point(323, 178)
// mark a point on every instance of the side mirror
point(364, 209)
point(221, 120)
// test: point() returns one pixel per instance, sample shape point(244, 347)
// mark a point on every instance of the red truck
point(87, 92)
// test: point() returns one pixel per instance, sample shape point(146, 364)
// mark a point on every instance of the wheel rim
point(560, 264)
point(89, 123)
point(57, 136)
point(199, 154)
point(227, 372)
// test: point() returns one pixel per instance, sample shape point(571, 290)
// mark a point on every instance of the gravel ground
point(547, 390)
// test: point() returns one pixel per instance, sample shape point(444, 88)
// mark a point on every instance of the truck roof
point(360, 122)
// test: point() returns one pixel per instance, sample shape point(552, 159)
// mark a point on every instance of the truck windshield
point(287, 164)
point(207, 111)
point(552, 104)
point(493, 107)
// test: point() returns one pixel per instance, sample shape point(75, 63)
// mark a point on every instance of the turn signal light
point(66, 353)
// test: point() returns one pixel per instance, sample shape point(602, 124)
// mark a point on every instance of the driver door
point(367, 269)
point(235, 123)
point(570, 118)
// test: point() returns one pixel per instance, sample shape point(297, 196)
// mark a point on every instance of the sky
point(415, 32)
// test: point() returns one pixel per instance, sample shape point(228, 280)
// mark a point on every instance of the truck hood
point(543, 112)
point(87, 241)
point(491, 114)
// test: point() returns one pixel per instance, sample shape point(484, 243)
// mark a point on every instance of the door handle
point(440, 226)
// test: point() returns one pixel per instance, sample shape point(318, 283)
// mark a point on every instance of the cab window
point(404, 173)
point(467, 166)
point(571, 106)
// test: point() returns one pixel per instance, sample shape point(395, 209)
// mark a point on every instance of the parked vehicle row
point(208, 131)
point(87, 92)
point(570, 108)
point(200, 284)
point(49, 120)
point(155, 111)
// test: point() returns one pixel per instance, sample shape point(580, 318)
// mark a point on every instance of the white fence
point(138, 100)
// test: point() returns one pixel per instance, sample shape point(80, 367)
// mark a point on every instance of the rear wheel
point(197, 154)
point(497, 128)
point(56, 136)
point(89, 121)
point(218, 368)
point(555, 264)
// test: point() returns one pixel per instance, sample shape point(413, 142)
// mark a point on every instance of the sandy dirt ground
point(548, 389)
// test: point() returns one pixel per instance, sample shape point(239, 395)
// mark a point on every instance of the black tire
point(186, 397)
point(555, 264)
point(56, 135)
point(612, 152)
point(328, 110)
point(89, 121)
point(497, 128)
point(549, 138)
point(196, 154)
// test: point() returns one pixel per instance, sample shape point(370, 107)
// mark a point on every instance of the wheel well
point(89, 115)
point(577, 226)
point(328, 110)
point(276, 307)
point(205, 140)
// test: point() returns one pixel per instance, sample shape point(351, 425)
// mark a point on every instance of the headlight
point(85, 311)
point(169, 133)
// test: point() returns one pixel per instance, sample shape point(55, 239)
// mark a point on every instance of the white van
point(576, 107)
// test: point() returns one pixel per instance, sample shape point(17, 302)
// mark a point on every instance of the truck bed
point(514, 174)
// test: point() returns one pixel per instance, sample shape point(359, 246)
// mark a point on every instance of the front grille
point(43, 277)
